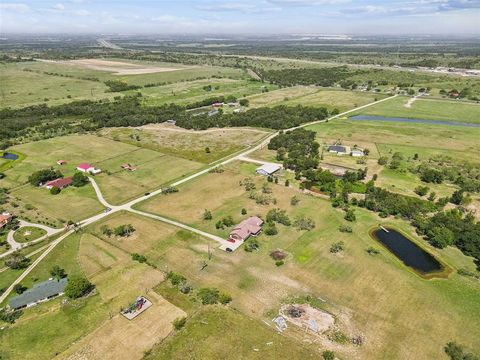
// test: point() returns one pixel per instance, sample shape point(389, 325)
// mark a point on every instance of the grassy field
point(348, 281)
point(217, 331)
point(314, 96)
point(183, 93)
point(28, 233)
point(424, 108)
point(28, 83)
point(187, 144)
point(152, 170)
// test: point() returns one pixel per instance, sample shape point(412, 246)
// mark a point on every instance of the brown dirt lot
point(120, 338)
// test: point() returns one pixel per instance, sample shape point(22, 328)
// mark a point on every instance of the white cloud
point(81, 12)
point(59, 7)
point(15, 7)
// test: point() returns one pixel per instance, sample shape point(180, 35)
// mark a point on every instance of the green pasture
point(425, 108)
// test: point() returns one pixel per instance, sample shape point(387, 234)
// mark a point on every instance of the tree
point(337, 247)
point(124, 230)
point(294, 200)
point(42, 176)
point(270, 229)
point(17, 261)
point(287, 183)
point(208, 296)
point(457, 197)
point(57, 272)
point(106, 230)
point(19, 288)
point(78, 286)
point(228, 221)
point(244, 211)
point(244, 102)
point(79, 179)
point(350, 215)
point(456, 352)
point(207, 215)
point(382, 160)
point(207, 150)
point(441, 237)
point(179, 323)
point(55, 190)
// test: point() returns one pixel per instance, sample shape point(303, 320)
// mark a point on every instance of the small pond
point(9, 156)
point(409, 120)
point(407, 251)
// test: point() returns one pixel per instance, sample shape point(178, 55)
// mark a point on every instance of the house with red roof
point(248, 227)
point(5, 218)
point(61, 162)
point(60, 183)
point(87, 168)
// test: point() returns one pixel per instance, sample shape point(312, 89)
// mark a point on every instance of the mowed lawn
point(189, 144)
point(352, 282)
point(153, 169)
point(425, 108)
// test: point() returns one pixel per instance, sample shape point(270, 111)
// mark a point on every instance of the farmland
point(429, 109)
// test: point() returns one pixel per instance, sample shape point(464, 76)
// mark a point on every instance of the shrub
point(228, 221)
point(55, 190)
point(124, 230)
point(382, 160)
point(328, 355)
point(208, 295)
point(17, 261)
point(207, 215)
point(304, 223)
point(294, 200)
point(372, 251)
point(244, 211)
point(10, 316)
point(270, 229)
point(345, 228)
point(251, 245)
point(224, 298)
point(337, 247)
point(57, 272)
point(78, 286)
point(79, 179)
point(421, 190)
point(219, 225)
point(179, 323)
point(139, 258)
point(176, 279)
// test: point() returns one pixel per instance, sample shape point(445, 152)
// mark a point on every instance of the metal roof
point(39, 292)
point(268, 168)
point(337, 148)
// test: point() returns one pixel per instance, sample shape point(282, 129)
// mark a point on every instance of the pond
point(407, 251)
point(9, 156)
point(410, 120)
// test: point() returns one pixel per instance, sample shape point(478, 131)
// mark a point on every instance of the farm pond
point(407, 251)
point(9, 156)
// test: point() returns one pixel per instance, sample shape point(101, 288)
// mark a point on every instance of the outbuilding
point(268, 169)
point(41, 292)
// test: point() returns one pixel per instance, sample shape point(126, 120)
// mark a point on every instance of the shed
point(268, 169)
point(38, 293)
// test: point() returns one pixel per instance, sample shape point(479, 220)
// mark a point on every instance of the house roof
point(268, 168)
point(5, 217)
point(84, 166)
point(61, 162)
point(39, 292)
point(249, 226)
point(62, 182)
point(337, 148)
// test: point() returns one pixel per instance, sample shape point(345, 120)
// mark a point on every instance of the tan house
point(249, 227)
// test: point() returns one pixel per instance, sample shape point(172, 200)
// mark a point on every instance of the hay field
point(188, 144)
point(354, 284)
point(153, 170)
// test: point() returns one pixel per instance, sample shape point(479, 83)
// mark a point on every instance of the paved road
point(128, 206)
point(22, 223)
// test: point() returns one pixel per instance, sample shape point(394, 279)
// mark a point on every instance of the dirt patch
point(410, 102)
point(119, 338)
point(307, 317)
point(117, 67)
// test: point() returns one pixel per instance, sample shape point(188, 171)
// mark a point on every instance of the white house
point(357, 153)
point(87, 168)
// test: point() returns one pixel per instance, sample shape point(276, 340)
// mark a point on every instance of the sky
point(363, 17)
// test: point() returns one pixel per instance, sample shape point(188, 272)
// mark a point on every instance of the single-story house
point(338, 149)
point(41, 292)
point(60, 183)
point(171, 122)
point(357, 153)
point(217, 104)
point(268, 169)
point(5, 218)
point(249, 227)
point(61, 162)
point(87, 168)
point(128, 167)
